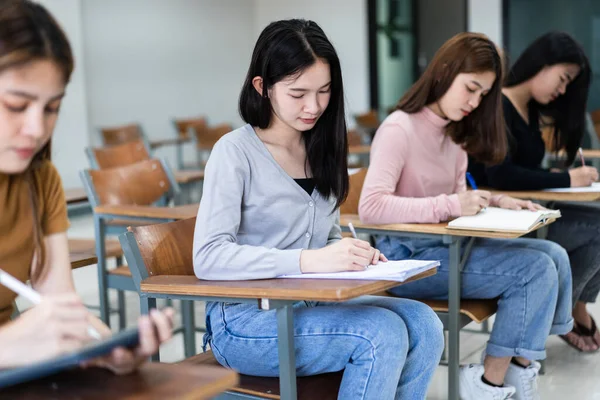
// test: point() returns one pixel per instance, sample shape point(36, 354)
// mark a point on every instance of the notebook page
point(493, 218)
point(595, 187)
point(385, 271)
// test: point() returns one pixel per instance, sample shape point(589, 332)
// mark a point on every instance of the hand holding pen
point(473, 201)
point(584, 175)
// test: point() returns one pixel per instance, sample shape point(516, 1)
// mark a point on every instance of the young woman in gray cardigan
point(270, 207)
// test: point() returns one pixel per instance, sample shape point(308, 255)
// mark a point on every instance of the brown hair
point(482, 133)
point(28, 33)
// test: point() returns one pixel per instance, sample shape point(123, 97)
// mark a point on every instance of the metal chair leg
point(122, 309)
point(146, 304)
point(189, 327)
point(102, 278)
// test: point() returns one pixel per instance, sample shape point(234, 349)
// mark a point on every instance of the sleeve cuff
point(287, 262)
point(455, 209)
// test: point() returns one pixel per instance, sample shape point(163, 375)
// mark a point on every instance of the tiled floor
point(569, 375)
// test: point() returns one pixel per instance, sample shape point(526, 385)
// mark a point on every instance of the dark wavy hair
point(481, 133)
point(28, 33)
point(285, 49)
point(568, 110)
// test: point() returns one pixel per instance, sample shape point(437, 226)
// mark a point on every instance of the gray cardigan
point(254, 219)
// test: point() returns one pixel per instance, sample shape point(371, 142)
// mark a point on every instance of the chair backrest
point(595, 116)
point(118, 155)
point(350, 206)
point(206, 138)
point(160, 249)
point(368, 120)
point(121, 134)
point(142, 183)
point(354, 138)
point(183, 127)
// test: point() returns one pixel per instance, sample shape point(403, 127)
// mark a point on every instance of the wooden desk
point(430, 229)
point(359, 149)
point(82, 252)
point(148, 212)
point(549, 196)
point(168, 142)
point(189, 176)
point(75, 195)
point(151, 381)
point(276, 289)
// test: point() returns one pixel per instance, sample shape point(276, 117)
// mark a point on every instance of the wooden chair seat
point(317, 387)
point(121, 271)
point(476, 310)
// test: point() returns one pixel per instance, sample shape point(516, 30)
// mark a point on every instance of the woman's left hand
point(510, 203)
point(155, 328)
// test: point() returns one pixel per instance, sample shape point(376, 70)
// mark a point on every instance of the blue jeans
point(530, 277)
point(388, 347)
point(578, 231)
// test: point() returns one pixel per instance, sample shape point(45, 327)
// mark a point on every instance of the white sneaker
point(471, 387)
point(524, 380)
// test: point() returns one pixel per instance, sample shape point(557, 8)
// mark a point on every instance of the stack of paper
point(398, 271)
point(501, 220)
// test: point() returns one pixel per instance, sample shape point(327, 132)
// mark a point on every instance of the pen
point(471, 181)
point(472, 184)
point(582, 159)
point(21, 289)
point(352, 230)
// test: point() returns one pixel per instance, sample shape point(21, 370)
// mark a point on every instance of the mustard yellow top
point(16, 224)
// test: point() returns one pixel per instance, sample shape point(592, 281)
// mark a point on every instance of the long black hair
point(287, 48)
point(568, 110)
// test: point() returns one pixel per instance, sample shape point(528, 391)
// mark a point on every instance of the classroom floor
point(568, 373)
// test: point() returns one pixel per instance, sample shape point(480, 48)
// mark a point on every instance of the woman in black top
point(550, 82)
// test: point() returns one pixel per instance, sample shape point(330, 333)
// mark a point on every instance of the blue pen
point(473, 184)
point(471, 181)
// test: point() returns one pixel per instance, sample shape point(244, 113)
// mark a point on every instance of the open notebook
point(500, 220)
point(595, 187)
point(384, 271)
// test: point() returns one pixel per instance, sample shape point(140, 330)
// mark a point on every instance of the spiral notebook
point(501, 220)
point(398, 271)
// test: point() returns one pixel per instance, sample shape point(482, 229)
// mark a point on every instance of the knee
point(386, 331)
point(429, 330)
point(544, 272)
point(559, 255)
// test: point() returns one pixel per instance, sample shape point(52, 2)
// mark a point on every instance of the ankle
point(519, 362)
point(491, 383)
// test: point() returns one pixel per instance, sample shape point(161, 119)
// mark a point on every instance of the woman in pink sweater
point(417, 175)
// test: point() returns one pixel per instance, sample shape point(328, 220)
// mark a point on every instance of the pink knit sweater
point(415, 171)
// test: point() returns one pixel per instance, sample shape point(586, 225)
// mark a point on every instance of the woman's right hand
point(583, 176)
point(57, 325)
point(347, 254)
point(473, 201)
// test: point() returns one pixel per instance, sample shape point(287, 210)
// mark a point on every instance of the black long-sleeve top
point(521, 169)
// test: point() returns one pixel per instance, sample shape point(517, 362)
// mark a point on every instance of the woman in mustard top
point(35, 66)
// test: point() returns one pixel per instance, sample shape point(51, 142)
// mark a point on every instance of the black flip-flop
point(577, 330)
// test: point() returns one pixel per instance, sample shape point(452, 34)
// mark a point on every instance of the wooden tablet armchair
point(160, 257)
point(145, 183)
point(188, 129)
point(204, 137)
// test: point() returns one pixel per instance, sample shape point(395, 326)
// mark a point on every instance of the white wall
point(151, 60)
point(485, 16)
point(71, 136)
point(345, 24)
